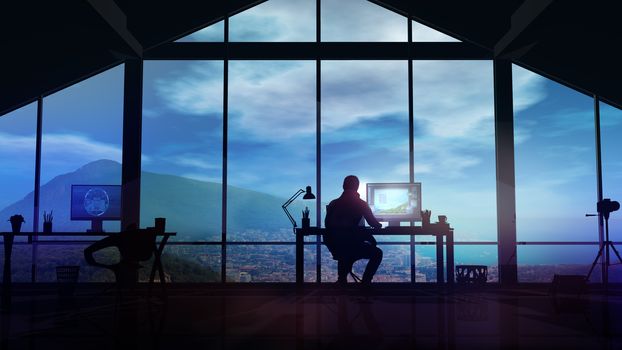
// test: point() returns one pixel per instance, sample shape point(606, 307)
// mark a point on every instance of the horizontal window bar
point(321, 51)
point(59, 242)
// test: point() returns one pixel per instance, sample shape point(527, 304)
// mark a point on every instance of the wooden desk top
point(430, 229)
point(74, 234)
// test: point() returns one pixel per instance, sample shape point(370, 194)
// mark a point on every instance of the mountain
point(191, 207)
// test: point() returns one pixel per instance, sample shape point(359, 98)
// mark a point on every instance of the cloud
point(529, 88)
point(294, 20)
point(195, 161)
point(354, 20)
point(424, 33)
point(17, 143)
point(65, 146)
point(275, 20)
point(197, 91)
point(212, 33)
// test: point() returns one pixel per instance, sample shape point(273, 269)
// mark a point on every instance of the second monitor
point(395, 202)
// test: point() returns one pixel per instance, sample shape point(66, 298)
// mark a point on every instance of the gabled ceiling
point(572, 42)
point(48, 45)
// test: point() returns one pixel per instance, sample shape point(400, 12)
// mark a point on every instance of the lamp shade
point(308, 194)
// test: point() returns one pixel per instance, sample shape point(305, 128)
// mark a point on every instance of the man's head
point(351, 183)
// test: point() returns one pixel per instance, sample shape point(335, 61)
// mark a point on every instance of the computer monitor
point(395, 202)
point(95, 203)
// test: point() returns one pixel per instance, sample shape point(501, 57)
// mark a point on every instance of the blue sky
point(272, 107)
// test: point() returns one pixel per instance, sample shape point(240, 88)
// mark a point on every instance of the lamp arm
point(288, 202)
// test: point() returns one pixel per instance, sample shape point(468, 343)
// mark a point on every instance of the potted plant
point(47, 221)
point(16, 222)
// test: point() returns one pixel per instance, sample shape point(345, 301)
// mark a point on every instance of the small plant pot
point(16, 227)
point(306, 222)
point(47, 227)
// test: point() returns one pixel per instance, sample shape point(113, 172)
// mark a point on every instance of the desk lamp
point(308, 195)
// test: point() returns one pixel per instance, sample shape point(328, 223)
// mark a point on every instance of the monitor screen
point(395, 201)
point(95, 202)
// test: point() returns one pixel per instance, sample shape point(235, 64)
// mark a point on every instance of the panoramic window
point(271, 154)
point(555, 169)
point(182, 161)
point(454, 145)
point(610, 130)
point(455, 155)
point(365, 133)
point(212, 33)
point(361, 20)
point(421, 33)
point(275, 20)
point(81, 145)
point(17, 156)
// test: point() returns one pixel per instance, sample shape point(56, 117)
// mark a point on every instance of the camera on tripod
point(606, 206)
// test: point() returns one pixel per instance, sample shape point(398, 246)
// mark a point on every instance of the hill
point(192, 207)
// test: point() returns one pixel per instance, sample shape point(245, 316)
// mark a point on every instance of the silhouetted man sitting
point(347, 244)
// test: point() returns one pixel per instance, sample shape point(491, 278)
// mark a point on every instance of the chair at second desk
point(134, 245)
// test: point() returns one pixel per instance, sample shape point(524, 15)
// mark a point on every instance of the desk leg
point(450, 257)
point(440, 273)
point(6, 274)
point(299, 259)
point(157, 261)
point(413, 268)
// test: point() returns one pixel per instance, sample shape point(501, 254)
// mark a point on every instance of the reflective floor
point(283, 317)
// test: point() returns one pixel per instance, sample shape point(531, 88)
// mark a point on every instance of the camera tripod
point(605, 247)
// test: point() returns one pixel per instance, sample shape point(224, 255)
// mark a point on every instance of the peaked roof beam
point(117, 19)
point(521, 19)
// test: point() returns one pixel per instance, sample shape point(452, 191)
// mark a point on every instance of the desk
point(438, 230)
point(8, 249)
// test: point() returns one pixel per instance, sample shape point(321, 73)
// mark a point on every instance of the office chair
point(135, 246)
point(337, 249)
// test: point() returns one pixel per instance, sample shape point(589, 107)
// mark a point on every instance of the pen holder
point(425, 217)
point(47, 227)
point(306, 222)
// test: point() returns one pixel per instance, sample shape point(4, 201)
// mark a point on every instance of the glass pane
point(190, 264)
point(211, 33)
point(329, 267)
point(395, 265)
point(455, 145)
point(364, 124)
point(261, 263)
point(18, 131)
point(310, 263)
point(182, 147)
point(555, 160)
point(361, 20)
point(422, 32)
point(611, 143)
point(540, 263)
point(81, 144)
point(425, 263)
point(271, 150)
point(275, 20)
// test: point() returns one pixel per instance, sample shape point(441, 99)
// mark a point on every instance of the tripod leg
point(600, 253)
point(616, 252)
